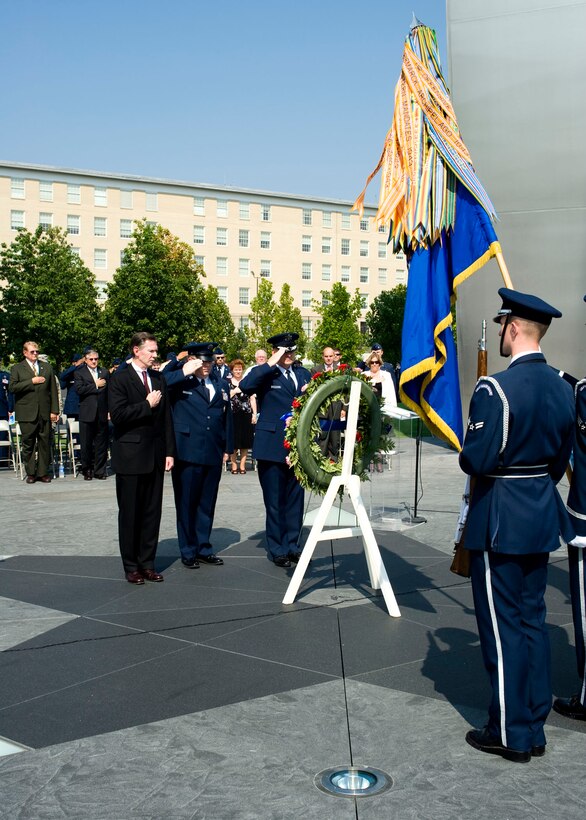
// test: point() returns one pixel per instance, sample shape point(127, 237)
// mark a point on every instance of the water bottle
point(61, 470)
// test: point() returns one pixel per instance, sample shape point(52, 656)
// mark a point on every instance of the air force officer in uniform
point(202, 419)
point(276, 384)
point(517, 446)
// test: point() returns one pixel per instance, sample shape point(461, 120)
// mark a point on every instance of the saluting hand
point(190, 366)
point(154, 397)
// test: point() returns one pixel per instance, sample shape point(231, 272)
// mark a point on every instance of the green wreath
point(313, 470)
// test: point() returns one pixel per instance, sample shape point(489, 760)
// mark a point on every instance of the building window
point(244, 267)
point(324, 300)
point(45, 220)
point(265, 240)
point(151, 224)
point(222, 207)
point(307, 327)
point(221, 236)
point(364, 223)
point(265, 213)
point(222, 266)
point(243, 238)
point(17, 188)
point(327, 219)
point(198, 234)
point(198, 206)
point(326, 273)
point(345, 247)
point(382, 250)
point(306, 216)
point(346, 221)
point(306, 244)
point(16, 220)
point(400, 256)
point(100, 226)
point(244, 322)
point(152, 202)
point(101, 286)
point(265, 268)
point(326, 244)
point(100, 197)
point(73, 224)
point(76, 251)
point(306, 270)
point(345, 275)
point(363, 248)
point(305, 298)
point(382, 276)
point(400, 277)
point(74, 194)
point(364, 300)
point(125, 228)
point(243, 296)
point(364, 276)
point(223, 294)
point(100, 258)
point(382, 229)
point(200, 260)
point(46, 191)
point(126, 199)
point(244, 210)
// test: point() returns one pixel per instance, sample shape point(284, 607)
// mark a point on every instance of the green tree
point(338, 327)
point(384, 321)
point(217, 323)
point(288, 319)
point(262, 317)
point(48, 296)
point(157, 288)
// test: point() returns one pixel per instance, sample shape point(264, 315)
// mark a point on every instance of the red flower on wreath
point(342, 367)
point(286, 445)
point(296, 404)
point(316, 376)
point(358, 435)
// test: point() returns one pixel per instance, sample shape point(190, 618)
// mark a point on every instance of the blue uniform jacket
point(6, 398)
point(203, 431)
point(67, 382)
point(517, 445)
point(577, 496)
point(274, 395)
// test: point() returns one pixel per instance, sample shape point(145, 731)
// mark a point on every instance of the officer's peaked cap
point(203, 350)
point(284, 340)
point(526, 306)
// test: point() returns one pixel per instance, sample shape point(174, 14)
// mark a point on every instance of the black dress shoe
point(210, 559)
point(151, 575)
point(45, 479)
point(101, 476)
point(190, 563)
point(87, 476)
point(294, 556)
point(134, 578)
point(537, 751)
point(30, 479)
point(570, 708)
point(483, 741)
point(282, 561)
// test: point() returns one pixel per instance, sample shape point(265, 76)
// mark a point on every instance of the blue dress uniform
point(202, 420)
point(575, 707)
point(517, 447)
point(67, 382)
point(282, 493)
point(6, 400)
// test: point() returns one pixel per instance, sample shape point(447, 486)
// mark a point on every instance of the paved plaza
point(206, 697)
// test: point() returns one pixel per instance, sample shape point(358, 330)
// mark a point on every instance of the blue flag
point(429, 368)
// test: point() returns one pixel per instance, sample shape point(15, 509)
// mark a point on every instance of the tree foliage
point(217, 323)
point(262, 317)
point(157, 288)
point(338, 327)
point(48, 296)
point(288, 319)
point(384, 321)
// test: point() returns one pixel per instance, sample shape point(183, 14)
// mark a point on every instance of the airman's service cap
point(526, 306)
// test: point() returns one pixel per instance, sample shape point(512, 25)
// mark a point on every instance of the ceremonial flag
point(439, 215)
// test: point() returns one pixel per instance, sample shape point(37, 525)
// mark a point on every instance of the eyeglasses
point(220, 357)
point(92, 358)
point(378, 363)
point(34, 352)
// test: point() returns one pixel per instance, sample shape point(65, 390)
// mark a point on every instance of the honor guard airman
point(517, 447)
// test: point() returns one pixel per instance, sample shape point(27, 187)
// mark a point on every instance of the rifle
point(461, 561)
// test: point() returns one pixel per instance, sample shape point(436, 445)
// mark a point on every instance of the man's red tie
point(145, 380)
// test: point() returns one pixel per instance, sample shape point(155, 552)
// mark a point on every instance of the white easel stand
point(351, 484)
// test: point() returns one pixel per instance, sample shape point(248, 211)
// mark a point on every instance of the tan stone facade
point(238, 235)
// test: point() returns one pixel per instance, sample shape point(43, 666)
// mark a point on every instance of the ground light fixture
point(353, 781)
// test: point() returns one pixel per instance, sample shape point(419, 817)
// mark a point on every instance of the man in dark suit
point(67, 382)
point(202, 418)
point(36, 405)
point(143, 448)
point(91, 385)
point(517, 447)
point(575, 706)
point(276, 384)
point(330, 438)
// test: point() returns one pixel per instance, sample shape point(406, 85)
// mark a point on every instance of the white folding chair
point(74, 445)
point(16, 440)
point(7, 451)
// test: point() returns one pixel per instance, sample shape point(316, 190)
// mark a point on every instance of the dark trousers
point(93, 438)
point(510, 611)
point(578, 595)
point(35, 440)
point(283, 499)
point(196, 491)
point(140, 498)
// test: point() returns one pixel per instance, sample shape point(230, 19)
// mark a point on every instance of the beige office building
point(238, 235)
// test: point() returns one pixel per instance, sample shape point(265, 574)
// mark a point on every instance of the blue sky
point(282, 96)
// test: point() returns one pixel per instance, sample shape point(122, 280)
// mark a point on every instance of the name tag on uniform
point(187, 392)
point(275, 386)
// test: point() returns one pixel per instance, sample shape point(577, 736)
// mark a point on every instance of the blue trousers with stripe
point(578, 594)
point(510, 611)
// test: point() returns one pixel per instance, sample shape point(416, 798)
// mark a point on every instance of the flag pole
point(503, 269)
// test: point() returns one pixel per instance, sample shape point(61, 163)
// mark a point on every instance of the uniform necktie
point(145, 380)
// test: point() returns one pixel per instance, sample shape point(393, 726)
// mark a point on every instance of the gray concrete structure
point(516, 71)
point(205, 697)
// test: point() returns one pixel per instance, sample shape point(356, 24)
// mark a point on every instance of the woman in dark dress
point(244, 416)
